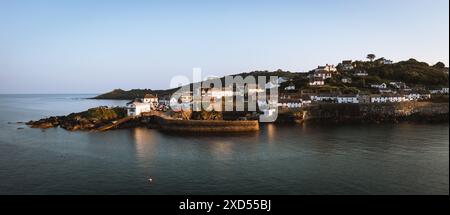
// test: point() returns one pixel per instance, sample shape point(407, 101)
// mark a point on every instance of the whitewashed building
point(324, 98)
point(316, 82)
point(388, 98)
point(443, 90)
point(306, 100)
point(136, 107)
point(290, 87)
point(417, 96)
point(151, 99)
point(322, 74)
point(216, 93)
point(360, 73)
point(254, 88)
point(290, 103)
point(348, 99)
point(413, 96)
point(327, 68)
point(385, 90)
point(398, 85)
point(222, 93)
point(346, 80)
point(346, 65)
point(379, 86)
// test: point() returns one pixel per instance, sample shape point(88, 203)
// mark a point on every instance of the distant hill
point(119, 94)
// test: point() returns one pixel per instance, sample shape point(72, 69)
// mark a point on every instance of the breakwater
point(207, 125)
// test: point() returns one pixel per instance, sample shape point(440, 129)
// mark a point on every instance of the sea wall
point(208, 125)
point(377, 113)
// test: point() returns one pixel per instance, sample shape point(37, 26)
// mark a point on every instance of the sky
point(82, 46)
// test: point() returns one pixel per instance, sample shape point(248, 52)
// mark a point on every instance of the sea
point(405, 158)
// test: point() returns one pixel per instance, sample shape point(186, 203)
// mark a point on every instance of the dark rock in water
point(20, 128)
point(86, 120)
point(44, 123)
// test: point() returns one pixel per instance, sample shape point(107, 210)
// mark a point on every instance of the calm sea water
point(289, 159)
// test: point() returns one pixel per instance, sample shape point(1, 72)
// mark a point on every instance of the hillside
point(411, 72)
point(119, 94)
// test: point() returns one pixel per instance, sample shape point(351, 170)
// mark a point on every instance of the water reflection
point(221, 149)
point(270, 131)
point(146, 142)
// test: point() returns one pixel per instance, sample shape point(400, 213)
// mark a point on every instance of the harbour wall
point(377, 113)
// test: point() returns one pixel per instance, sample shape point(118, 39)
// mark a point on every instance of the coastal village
point(316, 91)
point(372, 91)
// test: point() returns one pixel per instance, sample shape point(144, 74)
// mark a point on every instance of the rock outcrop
point(86, 120)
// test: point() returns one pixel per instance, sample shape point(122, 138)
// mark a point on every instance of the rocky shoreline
point(86, 120)
point(423, 112)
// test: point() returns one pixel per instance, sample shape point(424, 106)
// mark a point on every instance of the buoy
point(150, 179)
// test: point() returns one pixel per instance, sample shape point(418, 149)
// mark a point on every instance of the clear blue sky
point(84, 46)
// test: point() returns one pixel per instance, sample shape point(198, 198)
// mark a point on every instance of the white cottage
point(388, 98)
point(316, 82)
point(136, 107)
point(398, 85)
point(348, 99)
point(361, 73)
point(327, 67)
point(152, 100)
point(290, 87)
point(306, 100)
point(346, 80)
point(325, 97)
point(322, 74)
point(443, 90)
point(413, 96)
point(290, 103)
point(346, 65)
point(379, 86)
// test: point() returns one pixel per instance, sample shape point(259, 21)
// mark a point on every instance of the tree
point(439, 65)
point(371, 57)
